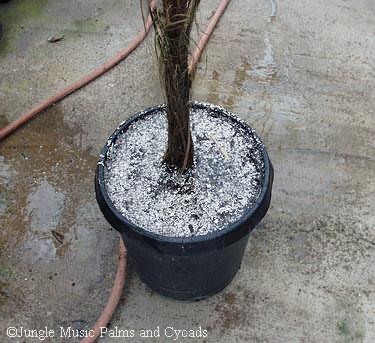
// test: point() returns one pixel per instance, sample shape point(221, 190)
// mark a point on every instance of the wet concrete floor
point(300, 72)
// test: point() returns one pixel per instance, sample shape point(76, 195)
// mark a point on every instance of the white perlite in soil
point(226, 177)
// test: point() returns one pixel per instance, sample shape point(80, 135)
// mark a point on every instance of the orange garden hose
point(119, 282)
point(114, 298)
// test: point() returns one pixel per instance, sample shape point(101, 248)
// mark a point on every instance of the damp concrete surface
point(300, 72)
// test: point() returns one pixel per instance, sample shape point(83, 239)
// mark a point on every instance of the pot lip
point(262, 199)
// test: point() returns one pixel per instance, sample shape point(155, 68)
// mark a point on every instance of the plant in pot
point(184, 183)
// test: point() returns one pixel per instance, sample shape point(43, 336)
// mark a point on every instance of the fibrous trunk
point(172, 27)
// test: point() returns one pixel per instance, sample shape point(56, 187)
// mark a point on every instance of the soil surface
point(223, 184)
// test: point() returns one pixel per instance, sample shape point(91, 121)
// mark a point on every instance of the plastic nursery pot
point(188, 268)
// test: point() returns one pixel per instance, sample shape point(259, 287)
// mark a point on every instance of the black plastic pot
point(184, 268)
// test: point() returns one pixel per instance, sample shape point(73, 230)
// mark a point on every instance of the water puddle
point(44, 207)
point(39, 182)
point(44, 210)
point(266, 69)
point(273, 11)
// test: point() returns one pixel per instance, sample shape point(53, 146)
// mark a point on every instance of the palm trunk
point(173, 28)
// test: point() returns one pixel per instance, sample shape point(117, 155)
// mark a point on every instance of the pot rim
point(258, 210)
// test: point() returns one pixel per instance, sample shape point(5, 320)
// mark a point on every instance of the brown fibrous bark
point(172, 33)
